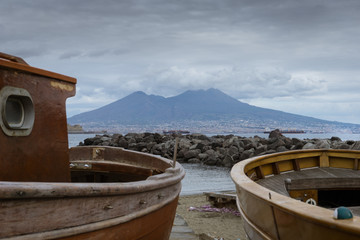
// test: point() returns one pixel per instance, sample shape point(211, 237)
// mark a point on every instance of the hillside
point(199, 109)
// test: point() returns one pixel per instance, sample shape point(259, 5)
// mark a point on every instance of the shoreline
point(212, 224)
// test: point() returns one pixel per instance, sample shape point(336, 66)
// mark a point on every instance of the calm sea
point(200, 178)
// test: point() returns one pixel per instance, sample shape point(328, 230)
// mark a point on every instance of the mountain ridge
point(195, 107)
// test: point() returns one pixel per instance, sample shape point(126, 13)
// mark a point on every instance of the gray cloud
point(258, 51)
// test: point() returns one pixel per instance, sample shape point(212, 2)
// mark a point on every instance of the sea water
point(201, 178)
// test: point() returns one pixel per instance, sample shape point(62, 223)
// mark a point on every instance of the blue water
point(200, 178)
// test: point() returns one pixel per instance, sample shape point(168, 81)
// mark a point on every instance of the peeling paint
point(62, 86)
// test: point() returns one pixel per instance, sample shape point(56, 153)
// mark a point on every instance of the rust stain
point(62, 86)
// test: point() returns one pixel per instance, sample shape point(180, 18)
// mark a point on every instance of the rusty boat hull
point(48, 191)
point(273, 209)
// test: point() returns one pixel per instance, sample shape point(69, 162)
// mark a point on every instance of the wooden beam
point(296, 164)
point(259, 172)
point(324, 160)
point(324, 183)
point(356, 164)
point(275, 168)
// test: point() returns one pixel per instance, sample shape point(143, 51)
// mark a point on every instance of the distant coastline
point(78, 129)
point(87, 132)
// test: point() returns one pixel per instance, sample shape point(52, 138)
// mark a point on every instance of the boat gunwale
point(309, 213)
point(37, 71)
point(24, 190)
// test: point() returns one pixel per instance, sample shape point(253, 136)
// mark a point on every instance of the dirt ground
point(216, 225)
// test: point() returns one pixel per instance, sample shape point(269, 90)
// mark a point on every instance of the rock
point(89, 141)
point(247, 154)
point(337, 139)
point(181, 153)
point(123, 143)
point(211, 153)
point(216, 150)
point(131, 140)
point(150, 145)
point(356, 146)
point(194, 160)
point(202, 156)
point(232, 151)
point(192, 153)
point(261, 149)
point(228, 161)
point(275, 134)
point(211, 161)
point(269, 151)
point(200, 137)
point(340, 145)
point(199, 146)
point(231, 141)
point(322, 144)
point(295, 141)
point(309, 145)
point(216, 143)
point(184, 143)
point(281, 149)
point(297, 146)
point(288, 142)
point(279, 142)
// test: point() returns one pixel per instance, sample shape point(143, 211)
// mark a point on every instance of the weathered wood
point(222, 198)
point(275, 167)
point(109, 166)
point(324, 160)
point(41, 156)
point(59, 213)
point(276, 183)
point(296, 165)
point(281, 217)
point(259, 172)
point(356, 164)
point(304, 195)
point(331, 183)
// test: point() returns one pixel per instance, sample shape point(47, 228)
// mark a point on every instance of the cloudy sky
point(296, 56)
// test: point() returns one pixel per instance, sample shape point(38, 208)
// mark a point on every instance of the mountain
point(195, 109)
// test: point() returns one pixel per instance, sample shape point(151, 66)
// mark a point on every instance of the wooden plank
point(221, 198)
point(26, 216)
point(259, 172)
point(276, 182)
point(38, 71)
point(356, 164)
point(275, 167)
point(296, 165)
point(304, 195)
point(324, 183)
point(222, 194)
point(324, 160)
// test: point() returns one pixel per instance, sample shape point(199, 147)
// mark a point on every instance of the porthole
point(14, 113)
point(17, 111)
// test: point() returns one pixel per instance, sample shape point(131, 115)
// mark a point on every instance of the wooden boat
point(48, 191)
point(273, 191)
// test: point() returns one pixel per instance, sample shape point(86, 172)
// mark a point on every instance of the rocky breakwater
point(215, 150)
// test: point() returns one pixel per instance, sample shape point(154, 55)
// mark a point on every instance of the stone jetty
point(219, 150)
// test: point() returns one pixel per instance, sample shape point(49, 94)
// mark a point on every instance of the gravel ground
point(216, 225)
